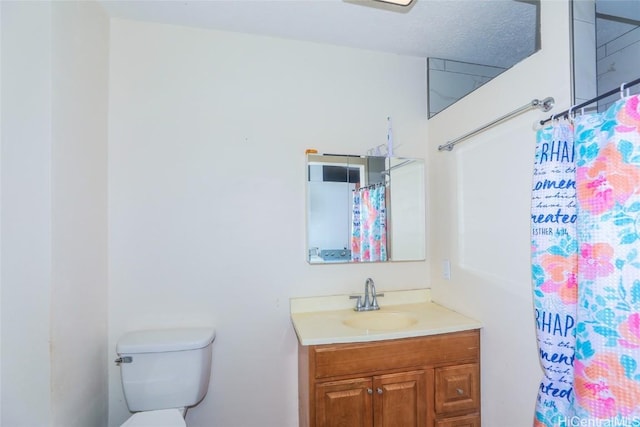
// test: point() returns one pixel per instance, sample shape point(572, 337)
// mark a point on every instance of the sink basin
point(380, 320)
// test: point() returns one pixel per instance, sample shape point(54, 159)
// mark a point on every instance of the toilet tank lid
point(160, 340)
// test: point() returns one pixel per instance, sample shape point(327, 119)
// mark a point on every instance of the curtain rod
point(565, 113)
point(387, 171)
point(544, 105)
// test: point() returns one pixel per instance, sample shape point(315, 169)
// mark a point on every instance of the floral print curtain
point(594, 277)
point(369, 224)
point(607, 375)
point(554, 269)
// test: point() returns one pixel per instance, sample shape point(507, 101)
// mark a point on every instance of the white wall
point(79, 287)
point(54, 235)
point(479, 217)
point(26, 213)
point(207, 184)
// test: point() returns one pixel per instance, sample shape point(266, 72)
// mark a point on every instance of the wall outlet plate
point(446, 269)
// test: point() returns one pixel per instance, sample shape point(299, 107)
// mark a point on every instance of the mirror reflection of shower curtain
point(369, 224)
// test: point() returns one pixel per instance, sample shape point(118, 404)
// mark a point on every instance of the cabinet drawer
point(457, 389)
point(364, 358)
point(465, 421)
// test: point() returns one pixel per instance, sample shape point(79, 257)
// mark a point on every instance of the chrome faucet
point(370, 297)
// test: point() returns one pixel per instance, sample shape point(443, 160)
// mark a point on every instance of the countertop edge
point(385, 337)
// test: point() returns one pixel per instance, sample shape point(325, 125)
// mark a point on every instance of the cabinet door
point(344, 403)
point(400, 400)
point(466, 421)
point(457, 389)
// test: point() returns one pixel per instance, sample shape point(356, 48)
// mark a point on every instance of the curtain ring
point(622, 94)
point(569, 116)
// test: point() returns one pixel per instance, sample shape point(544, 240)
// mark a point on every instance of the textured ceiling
point(488, 32)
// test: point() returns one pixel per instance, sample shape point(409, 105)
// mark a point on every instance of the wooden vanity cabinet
point(430, 381)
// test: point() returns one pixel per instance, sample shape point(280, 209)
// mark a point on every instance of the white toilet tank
point(165, 368)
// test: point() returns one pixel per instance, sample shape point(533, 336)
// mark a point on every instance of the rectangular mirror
point(365, 209)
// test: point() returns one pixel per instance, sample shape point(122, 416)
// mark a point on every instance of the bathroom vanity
point(418, 364)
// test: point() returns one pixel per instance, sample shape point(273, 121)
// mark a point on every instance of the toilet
point(164, 372)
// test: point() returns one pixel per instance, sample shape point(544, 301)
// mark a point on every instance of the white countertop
point(320, 320)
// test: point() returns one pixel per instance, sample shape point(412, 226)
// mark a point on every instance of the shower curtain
point(587, 284)
point(369, 224)
point(554, 268)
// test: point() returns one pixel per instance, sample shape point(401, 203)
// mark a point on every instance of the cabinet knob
point(460, 391)
point(369, 391)
point(379, 390)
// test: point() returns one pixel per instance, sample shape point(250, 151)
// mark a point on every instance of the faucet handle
point(374, 302)
point(358, 299)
